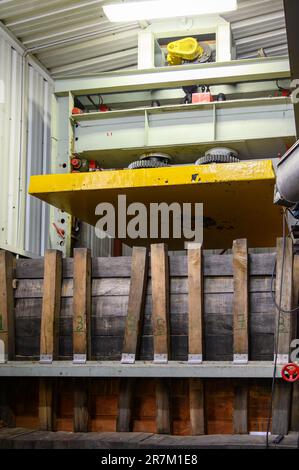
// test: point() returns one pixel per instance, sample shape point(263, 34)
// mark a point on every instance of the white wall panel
point(25, 120)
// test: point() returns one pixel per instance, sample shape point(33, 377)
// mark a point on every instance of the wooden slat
point(136, 302)
point(286, 319)
point(134, 320)
point(160, 302)
point(81, 333)
point(125, 402)
point(49, 336)
point(82, 305)
point(196, 336)
point(197, 407)
point(282, 393)
point(46, 406)
point(160, 323)
point(33, 289)
point(240, 332)
point(51, 306)
point(163, 416)
point(81, 405)
point(240, 416)
point(295, 396)
point(7, 323)
point(240, 307)
point(214, 265)
point(196, 317)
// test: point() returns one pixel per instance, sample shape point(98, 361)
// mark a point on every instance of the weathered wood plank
point(240, 416)
point(197, 407)
point(160, 302)
point(124, 416)
point(46, 406)
point(49, 336)
point(51, 306)
point(81, 333)
point(163, 417)
point(81, 405)
point(132, 331)
point(214, 265)
point(82, 305)
point(33, 288)
point(240, 308)
point(281, 408)
point(161, 338)
point(284, 278)
point(284, 268)
point(196, 313)
point(135, 305)
point(260, 302)
point(295, 396)
point(7, 316)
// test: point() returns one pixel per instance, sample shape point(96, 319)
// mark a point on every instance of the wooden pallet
point(192, 309)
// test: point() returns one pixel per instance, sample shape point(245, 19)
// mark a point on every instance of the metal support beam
point(175, 77)
point(218, 369)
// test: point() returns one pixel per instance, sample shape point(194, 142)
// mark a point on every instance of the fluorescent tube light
point(157, 9)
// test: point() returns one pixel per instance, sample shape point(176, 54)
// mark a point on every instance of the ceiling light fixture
point(159, 9)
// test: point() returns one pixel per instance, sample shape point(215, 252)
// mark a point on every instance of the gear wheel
point(146, 164)
point(218, 155)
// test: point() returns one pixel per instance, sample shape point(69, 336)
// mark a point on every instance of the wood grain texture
point(51, 304)
point(81, 405)
point(282, 394)
point(163, 416)
point(125, 403)
point(197, 407)
point(138, 285)
point(285, 325)
point(196, 313)
point(82, 304)
point(160, 299)
point(240, 416)
point(214, 265)
point(46, 406)
point(49, 336)
point(241, 305)
point(7, 316)
point(295, 396)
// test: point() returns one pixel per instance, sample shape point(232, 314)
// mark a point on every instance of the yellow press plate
point(237, 197)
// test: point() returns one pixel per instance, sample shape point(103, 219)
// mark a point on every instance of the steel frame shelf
point(174, 369)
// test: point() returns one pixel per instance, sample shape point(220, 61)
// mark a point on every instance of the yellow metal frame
point(237, 197)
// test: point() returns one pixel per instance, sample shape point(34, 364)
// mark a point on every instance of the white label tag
point(46, 359)
point(195, 358)
point(79, 359)
point(282, 359)
point(127, 358)
point(240, 358)
point(160, 358)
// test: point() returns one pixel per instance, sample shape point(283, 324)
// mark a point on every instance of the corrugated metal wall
point(25, 117)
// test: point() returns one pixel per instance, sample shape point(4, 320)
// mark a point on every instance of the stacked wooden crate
point(199, 310)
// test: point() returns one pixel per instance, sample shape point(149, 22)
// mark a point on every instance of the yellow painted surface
point(237, 197)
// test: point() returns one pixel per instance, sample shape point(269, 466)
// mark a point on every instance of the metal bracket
point(128, 358)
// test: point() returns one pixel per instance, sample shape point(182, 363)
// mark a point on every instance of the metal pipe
point(288, 175)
